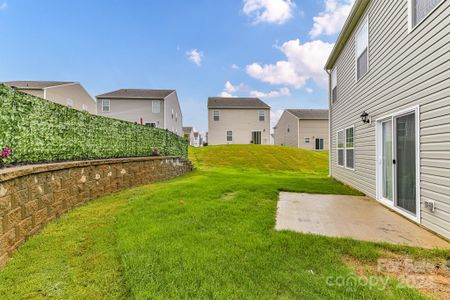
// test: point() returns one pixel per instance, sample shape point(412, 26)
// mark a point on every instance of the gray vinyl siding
point(281, 134)
point(405, 69)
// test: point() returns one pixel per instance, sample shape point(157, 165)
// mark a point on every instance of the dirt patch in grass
point(228, 196)
point(430, 277)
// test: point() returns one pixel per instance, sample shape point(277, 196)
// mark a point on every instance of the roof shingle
point(137, 94)
point(310, 114)
point(35, 84)
point(220, 102)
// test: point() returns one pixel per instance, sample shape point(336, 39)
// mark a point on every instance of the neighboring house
point(71, 94)
point(156, 108)
point(390, 107)
point(197, 139)
point(303, 128)
point(238, 121)
point(188, 133)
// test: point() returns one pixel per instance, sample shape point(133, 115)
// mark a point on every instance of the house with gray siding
point(155, 108)
point(303, 128)
point(70, 94)
point(390, 107)
point(238, 121)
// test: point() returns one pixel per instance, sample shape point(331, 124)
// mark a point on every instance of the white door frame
point(379, 181)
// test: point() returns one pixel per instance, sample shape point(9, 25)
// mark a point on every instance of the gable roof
point(350, 24)
point(187, 129)
point(221, 102)
point(310, 114)
point(35, 85)
point(137, 94)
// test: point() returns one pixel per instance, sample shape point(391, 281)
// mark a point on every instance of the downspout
point(329, 123)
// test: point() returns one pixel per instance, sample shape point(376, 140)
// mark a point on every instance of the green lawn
point(208, 235)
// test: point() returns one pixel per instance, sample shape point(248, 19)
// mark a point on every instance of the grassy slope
point(206, 235)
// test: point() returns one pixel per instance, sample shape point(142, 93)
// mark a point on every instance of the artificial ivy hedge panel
point(39, 130)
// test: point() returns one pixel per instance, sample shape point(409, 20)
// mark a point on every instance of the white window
point(229, 136)
point(420, 9)
point(176, 117)
point(69, 102)
point(216, 115)
point(362, 50)
point(334, 85)
point(262, 116)
point(156, 106)
point(106, 105)
point(349, 148)
point(307, 140)
point(84, 107)
point(172, 113)
point(340, 147)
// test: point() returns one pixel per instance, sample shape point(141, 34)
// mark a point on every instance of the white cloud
point(309, 90)
point(235, 67)
point(230, 89)
point(226, 95)
point(195, 56)
point(273, 94)
point(331, 20)
point(269, 11)
point(304, 62)
point(4, 5)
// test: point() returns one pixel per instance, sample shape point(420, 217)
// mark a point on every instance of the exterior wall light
point(365, 118)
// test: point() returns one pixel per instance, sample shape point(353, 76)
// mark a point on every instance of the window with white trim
point(229, 136)
point(340, 147)
point(156, 106)
point(69, 102)
point(349, 148)
point(106, 105)
point(216, 115)
point(307, 140)
point(421, 8)
point(172, 113)
point(262, 116)
point(84, 107)
point(334, 85)
point(362, 50)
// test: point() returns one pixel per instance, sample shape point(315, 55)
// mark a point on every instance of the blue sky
point(274, 49)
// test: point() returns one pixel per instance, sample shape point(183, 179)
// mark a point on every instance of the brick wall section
point(32, 196)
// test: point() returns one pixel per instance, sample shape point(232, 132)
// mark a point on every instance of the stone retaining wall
point(32, 196)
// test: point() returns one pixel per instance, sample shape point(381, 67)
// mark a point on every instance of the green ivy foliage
point(38, 130)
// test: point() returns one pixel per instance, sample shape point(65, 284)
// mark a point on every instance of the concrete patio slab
point(360, 218)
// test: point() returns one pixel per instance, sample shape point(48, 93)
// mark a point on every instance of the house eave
point(350, 24)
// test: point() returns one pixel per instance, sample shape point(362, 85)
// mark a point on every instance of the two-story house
point(238, 121)
point(156, 108)
point(71, 94)
point(188, 134)
point(303, 128)
point(390, 107)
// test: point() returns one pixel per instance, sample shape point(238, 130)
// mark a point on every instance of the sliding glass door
point(387, 160)
point(397, 169)
point(406, 162)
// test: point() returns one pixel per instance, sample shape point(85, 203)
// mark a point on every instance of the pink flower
point(5, 153)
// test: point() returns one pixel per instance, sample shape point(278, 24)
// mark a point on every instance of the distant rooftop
point(38, 85)
point(220, 102)
point(137, 94)
point(187, 129)
point(310, 114)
